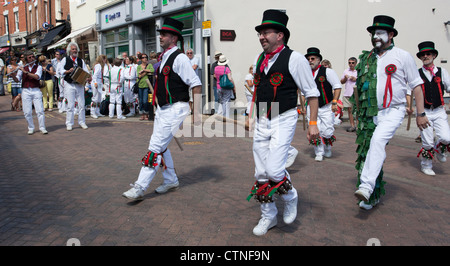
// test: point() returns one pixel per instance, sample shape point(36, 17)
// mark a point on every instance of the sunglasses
point(144, 57)
point(351, 63)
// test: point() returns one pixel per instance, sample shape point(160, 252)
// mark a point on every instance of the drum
point(79, 75)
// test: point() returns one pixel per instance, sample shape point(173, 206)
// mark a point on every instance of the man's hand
point(313, 132)
point(422, 122)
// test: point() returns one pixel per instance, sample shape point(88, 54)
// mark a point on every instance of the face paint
point(379, 38)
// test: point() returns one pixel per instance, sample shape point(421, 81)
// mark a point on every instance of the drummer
point(73, 91)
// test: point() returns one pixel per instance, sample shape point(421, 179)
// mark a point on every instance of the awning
point(4, 49)
point(51, 35)
point(70, 36)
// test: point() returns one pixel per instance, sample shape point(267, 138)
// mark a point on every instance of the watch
point(422, 114)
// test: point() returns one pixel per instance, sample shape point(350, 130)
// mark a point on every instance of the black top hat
point(275, 19)
point(173, 26)
point(313, 51)
point(426, 47)
point(383, 22)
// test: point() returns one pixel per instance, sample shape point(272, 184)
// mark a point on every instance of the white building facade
point(336, 27)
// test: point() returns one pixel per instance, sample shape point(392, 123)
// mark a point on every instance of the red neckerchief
point(431, 69)
point(314, 70)
point(269, 56)
point(74, 59)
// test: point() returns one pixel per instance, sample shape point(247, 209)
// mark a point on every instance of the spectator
point(249, 87)
point(326, 63)
point(47, 76)
point(145, 70)
point(217, 106)
point(97, 86)
point(349, 79)
point(2, 68)
point(224, 94)
point(57, 81)
point(16, 87)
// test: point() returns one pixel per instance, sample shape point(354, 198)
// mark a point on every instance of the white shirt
point(300, 71)
point(404, 79)
point(97, 75)
point(195, 61)
point(182, 67)
point(444, 75)
point(117, 77)
point(55, 64)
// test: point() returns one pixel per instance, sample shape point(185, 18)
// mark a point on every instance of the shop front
point(130, 26)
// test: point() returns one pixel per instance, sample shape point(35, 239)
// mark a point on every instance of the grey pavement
point(68, 185)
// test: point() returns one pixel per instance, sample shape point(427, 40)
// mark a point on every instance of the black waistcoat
point(286, 91)
point(69, 64)
point(432, 94)
point(324, 87)
point(179, 91)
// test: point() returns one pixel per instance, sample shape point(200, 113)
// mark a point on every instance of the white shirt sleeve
point(182, 66)
point(412, 75)
point(445, 79)
point(333, 79)
point(302, 74)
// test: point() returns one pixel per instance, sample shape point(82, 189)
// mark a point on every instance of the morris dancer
point(279, 72)
point(175, 77)
point(329, 87)
point(436, 81)
point(116, 89)
point(72, 90)
point(385, 74)
point(97, 86)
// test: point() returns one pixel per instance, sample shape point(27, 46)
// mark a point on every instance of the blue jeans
point(143, 100)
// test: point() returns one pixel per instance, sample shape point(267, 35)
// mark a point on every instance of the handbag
point(136, 87)
point(225, 82)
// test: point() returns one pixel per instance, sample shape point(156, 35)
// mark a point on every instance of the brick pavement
point(68, 185)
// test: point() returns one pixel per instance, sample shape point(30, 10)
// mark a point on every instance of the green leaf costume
point(368, 108)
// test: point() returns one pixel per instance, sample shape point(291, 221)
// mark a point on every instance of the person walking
point(225, 95)
point(435, 82)
point(47, 76)
point(279, 72)
point(30, 74)
point(329, 87)
point(175, 77)
point(385, 75)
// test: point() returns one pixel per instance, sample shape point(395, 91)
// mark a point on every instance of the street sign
point(206, 28)
point(227, 35)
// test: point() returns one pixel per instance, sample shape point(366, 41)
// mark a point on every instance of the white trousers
point(271, 143)
point(96, 97)
point(387, 121)
point(115, 98)
point(129, 96)
point(62, 106)
point(439, 124)
point(325, 123)
point(74, 93)
point(168, 120)
point(30, 97)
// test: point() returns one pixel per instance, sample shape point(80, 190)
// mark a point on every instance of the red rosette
point(390, 69)
point(256, 79)
point(166, 70)
point(276, 79)
point(437, 79)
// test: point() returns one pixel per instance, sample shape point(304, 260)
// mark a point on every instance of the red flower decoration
point(322, 79)
point(276, 79)
point(166, 70)
point(256, 79)
point(437, 79)
point(391, 69)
